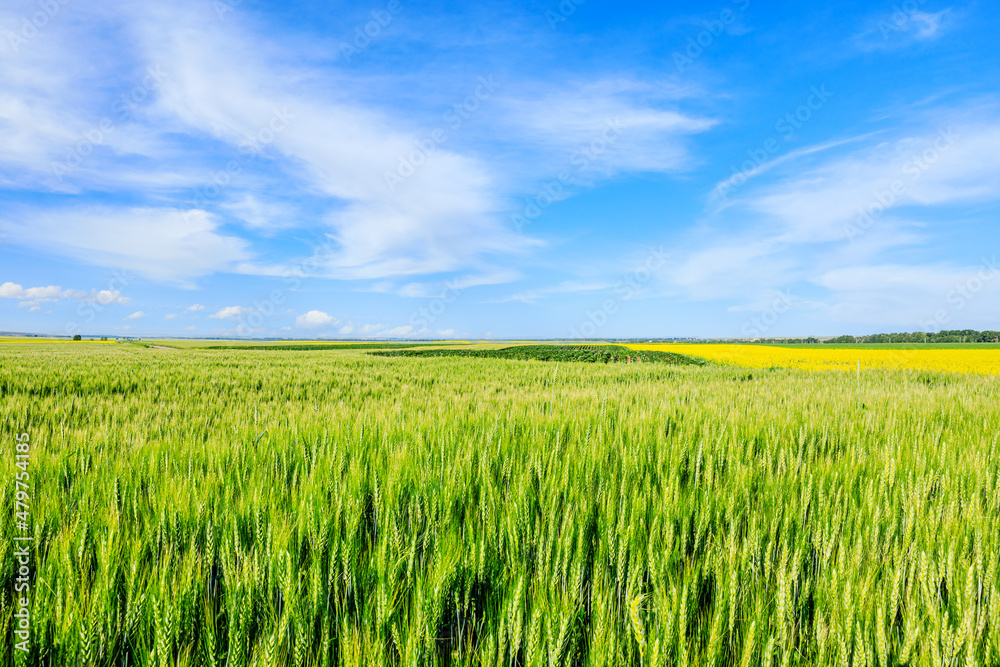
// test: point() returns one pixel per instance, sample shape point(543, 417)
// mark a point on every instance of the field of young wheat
point(267, 507)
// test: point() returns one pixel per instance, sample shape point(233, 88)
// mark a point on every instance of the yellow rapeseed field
point(979, 361)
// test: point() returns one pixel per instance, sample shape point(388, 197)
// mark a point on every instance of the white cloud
point(36, 123)
point(951, 165)
point(230, 313)
point(565, 287)
point(441, 218)
point(106, 297)
point(825, 222)
point(136, 315)
point(753, 168)
point(195, 308)
point(607, 126)
point(448, 216)
point(448, 289)
point(927, 25)
point(897, 277)
point(52, 292)
point(447, 333)
point(337, 147)
point(914, 297)
point(32, 296)
point(262, 215)
point(70, 124)
point(170, 316)
point(314, 319)
point(734, 267)
point(901, 27)
point(168, 245)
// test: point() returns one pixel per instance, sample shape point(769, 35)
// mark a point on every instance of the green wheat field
point(240, 507)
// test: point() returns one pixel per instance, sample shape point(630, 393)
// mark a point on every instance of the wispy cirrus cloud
point(903, 25)
point(827, 220)
point(606, 127)
point(948, 164)
point(440, 219)
point(445, 217)
point(436, 289)
point(562, 288)
point(163, 244)
point(754, 169)
point(251, 146)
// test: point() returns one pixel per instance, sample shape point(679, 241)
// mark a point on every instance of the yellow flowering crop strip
point(949, 360)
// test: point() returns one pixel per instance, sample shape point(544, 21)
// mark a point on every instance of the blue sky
point(515, 169)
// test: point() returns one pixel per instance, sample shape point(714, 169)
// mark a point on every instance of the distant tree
point(948, 336)
point(78, 337)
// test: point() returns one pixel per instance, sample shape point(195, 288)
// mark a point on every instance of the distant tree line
point(955, 336)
